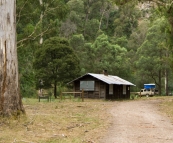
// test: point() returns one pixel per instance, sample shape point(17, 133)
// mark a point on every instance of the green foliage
point(92, 26)
point(132, 96)
point(103, 35)
point(153, 53)
point(55, 62)
point(26, 76)
point(126, 20)
point(77, 42)
point(121, 41)
point(138, 35)
point(76, 5)
point(104, 55)
point(36, 19)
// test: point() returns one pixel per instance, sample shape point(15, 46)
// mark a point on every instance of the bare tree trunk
point(10, 99)
point(100, 22)
point(87, 12)
point(55, 89)
point(166, 82)
point(166, 69)
point(160, 83)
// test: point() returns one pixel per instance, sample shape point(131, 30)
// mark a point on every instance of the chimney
point(105, 72)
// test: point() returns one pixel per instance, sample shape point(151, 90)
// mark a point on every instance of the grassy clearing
point(166, 106)
point(66, 121)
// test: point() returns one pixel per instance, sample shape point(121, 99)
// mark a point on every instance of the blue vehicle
point(149, 86)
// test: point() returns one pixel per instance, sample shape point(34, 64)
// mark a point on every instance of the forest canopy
point(131, 39)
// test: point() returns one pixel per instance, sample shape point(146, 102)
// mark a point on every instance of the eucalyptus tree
point(87, 10)
point(56, 63)
point(121, 41)
point(126, 20)
point(102, 54)
point(99, 11)
point(161, 8)
point(77, 42)
point(154, 54)
point(134, 42)
point(74, 23)
point(138, 35)
point(76, 14)
point(68, 28)
point(91, 29)
point(37, 20)
point(10, 98)
point(164, 7)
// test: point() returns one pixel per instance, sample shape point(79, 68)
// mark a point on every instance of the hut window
point(124, 89)
point(110, 88)
point(87, 85)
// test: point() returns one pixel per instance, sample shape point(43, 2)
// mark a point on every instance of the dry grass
point(67, 121)
point(166, 106)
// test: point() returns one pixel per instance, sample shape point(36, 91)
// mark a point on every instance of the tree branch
point(21, 11)
point(30, 36)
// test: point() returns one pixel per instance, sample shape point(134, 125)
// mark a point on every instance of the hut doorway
point(102, 90)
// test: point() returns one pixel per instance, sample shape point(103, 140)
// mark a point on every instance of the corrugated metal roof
point(109, 79)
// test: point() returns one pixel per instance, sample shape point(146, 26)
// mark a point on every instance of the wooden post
point(61, 95)
point(82, 95)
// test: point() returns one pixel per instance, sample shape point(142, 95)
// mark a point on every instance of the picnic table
point(45, 96)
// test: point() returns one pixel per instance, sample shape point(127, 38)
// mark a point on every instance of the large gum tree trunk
point(10, 99)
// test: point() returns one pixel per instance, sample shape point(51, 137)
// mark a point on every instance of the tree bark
point(10, 99)
point(160, 83)
point(100, 22)
point(166, 82)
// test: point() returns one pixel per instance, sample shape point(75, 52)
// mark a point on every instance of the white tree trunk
point(10, 99)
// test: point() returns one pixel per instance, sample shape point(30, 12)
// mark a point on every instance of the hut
point(102, 86)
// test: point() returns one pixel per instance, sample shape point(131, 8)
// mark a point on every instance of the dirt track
point(139, 122)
